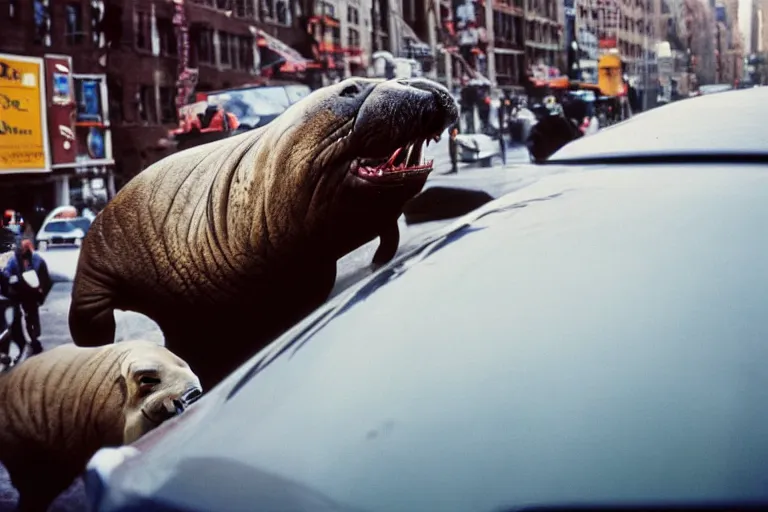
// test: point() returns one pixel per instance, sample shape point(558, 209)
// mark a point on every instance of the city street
point(62, 263)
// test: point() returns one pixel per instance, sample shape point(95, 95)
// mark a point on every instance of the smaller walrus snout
point(186, 399)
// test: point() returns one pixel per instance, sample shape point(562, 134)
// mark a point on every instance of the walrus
point(549, 135)
point(58, 408)
point(238, 239)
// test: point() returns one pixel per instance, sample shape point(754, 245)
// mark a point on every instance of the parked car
point(596, 339)
point(62, 232)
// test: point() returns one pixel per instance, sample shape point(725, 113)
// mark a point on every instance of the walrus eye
point(147, 383)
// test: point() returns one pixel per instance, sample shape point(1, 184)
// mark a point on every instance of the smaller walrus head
point(158, 386)
point(356, 150)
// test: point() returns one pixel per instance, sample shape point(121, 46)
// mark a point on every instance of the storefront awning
point(417, 45)
point(294, 61)
point(325, 20)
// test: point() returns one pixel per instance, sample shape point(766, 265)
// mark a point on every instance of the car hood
point(590, 339)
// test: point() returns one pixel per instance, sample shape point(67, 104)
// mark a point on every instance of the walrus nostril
point(350, 91)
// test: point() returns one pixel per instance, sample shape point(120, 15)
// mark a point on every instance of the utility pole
point(374, 28)
point(490, 55)
point(645, 58)
point(433, 22)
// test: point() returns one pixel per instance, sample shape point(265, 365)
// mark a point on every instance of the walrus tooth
point(391, 160)
point(410, 154)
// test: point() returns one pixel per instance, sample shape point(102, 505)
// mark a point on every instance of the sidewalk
point(438, 151)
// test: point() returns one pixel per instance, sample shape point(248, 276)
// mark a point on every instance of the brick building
point(136, 44)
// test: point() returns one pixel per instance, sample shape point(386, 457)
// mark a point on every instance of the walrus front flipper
point(389, 240)
point(91, 315)
point(37, 486)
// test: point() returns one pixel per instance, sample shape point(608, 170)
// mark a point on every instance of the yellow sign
point(609, 75)
point(23, 129)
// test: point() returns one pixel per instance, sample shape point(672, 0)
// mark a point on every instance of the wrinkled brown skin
point(227, 244)
point(58, 408)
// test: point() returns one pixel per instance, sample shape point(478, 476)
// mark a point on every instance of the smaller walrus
point(549, 135)
point(58, 408)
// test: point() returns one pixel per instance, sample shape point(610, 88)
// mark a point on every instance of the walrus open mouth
point(406, 161)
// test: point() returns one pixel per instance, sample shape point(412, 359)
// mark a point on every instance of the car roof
point(726, 123)
point(597, 337)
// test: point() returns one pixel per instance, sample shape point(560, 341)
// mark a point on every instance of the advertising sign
point(23, 129)
point(92, 128)
point(61, 108)
point(720, 13)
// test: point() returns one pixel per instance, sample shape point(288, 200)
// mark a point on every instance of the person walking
point(27, 299)
point(453, 147)
point(501, 112)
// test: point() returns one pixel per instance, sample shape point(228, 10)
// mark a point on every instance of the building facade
point(631, 27)
point(153, 55)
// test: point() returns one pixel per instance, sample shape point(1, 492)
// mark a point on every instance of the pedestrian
point(453, 147)
point(502, 121)
point(484, 111)
point(467, 104)
point(27, 300)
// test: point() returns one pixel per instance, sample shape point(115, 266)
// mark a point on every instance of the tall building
point(632, 27)
point(761, 32)
point(544, 41)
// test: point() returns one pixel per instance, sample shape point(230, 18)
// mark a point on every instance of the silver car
point(62, 232)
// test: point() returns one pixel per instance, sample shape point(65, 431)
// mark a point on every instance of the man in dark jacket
point(27, 299)
point(502, 118)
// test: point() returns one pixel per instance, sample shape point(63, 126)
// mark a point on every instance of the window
point(353, 15)
point(203, 45)
point(244, 8)
point(115, 99)
point(283, 12)
point(168, 105)
point(12, 9)
point(245, 52)
point(267, 9)
point(167, 35)
point(73, 28)
point(329, 9)
point(142, 30)
point(353, 38)
point(42, 22)
point(146, 104)
point(97, 11)
point(224, 49)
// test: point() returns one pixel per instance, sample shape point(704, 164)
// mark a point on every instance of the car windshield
point(60, 226)
point(259, 101)
point(297, 92)
point(82, 223)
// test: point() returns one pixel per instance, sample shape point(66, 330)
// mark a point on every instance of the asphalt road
point(353, 267)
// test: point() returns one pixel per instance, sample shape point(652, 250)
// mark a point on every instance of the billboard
point(93, 139)
point(23, 129)
point(60, 89)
